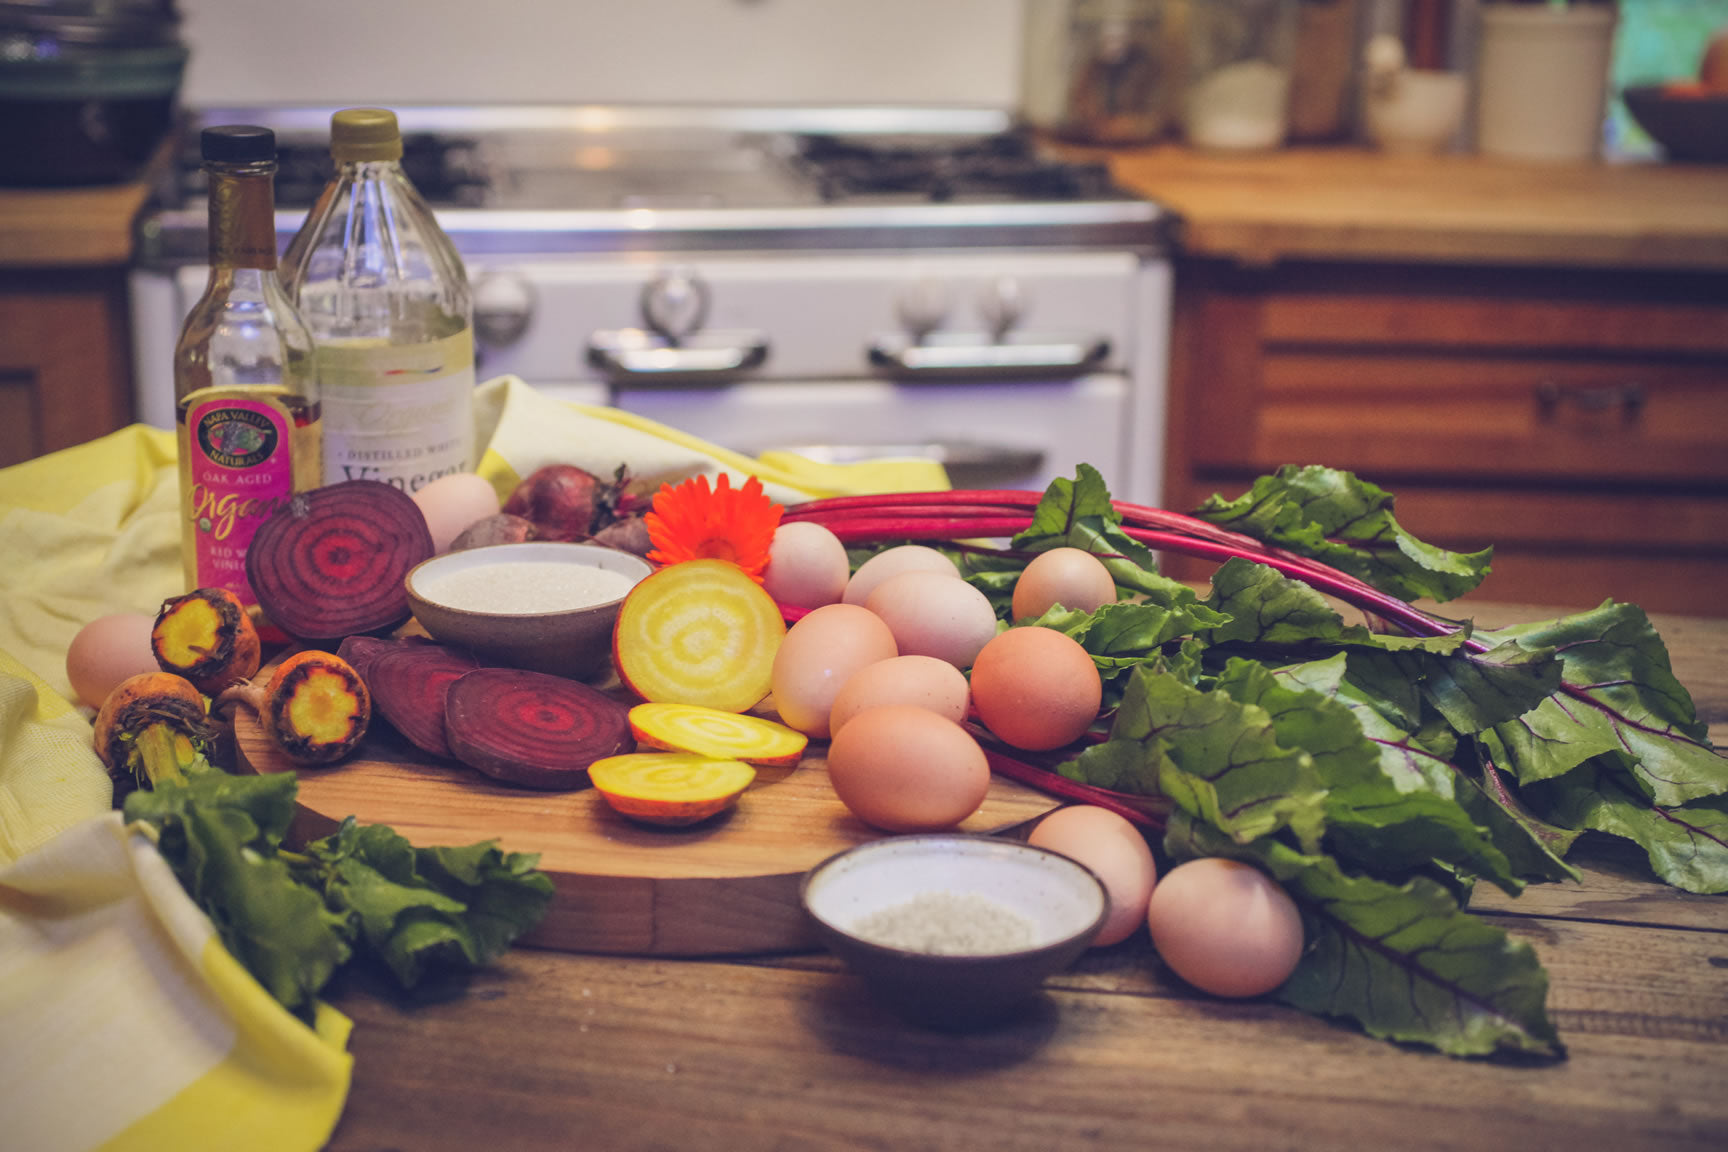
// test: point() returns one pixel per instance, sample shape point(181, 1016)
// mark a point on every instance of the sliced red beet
point(409, 683)
point(332, 562)
point(360, 651)
point(533, 729)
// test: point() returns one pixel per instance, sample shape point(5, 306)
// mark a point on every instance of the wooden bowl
point(574, 642)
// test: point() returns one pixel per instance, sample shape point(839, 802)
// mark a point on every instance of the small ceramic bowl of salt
point(953, 929)
point(544, 605)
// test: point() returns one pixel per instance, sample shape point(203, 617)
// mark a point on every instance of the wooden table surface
point(562, 1051)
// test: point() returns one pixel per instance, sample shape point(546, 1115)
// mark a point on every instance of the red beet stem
point(331, 563)
point(409, 684)
point(922, 516)
point(1140, 810)
point(533, 729)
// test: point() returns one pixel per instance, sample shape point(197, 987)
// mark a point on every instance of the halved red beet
point(332, 562)
point(409, 683)
point(533, 729)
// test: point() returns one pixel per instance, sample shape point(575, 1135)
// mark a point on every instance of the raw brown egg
point(1036, 688)
point(892, 562)
point(1113, 848)
point(933, 614)
point(818, 655)
point(452, 503)
point(919, 681)
point(1225, 927)
point(807, 566)
point(904, 769)
point(108, 650)
point(1071, 577)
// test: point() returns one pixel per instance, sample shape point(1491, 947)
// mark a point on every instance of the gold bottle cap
point(365, 134)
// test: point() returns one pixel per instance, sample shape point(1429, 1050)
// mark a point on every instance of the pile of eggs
point(878, 667)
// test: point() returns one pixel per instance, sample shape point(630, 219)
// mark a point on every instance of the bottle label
point(238, 457)
point(399, 413)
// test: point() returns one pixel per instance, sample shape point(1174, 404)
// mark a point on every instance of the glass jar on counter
point(1114, 88)
point(1236, 90)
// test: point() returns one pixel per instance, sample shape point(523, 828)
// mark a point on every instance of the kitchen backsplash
point(332, 52)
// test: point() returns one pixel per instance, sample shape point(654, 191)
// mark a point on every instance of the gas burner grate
point(443, 169)
point(1004, 167)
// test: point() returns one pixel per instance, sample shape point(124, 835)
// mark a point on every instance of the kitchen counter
point(69, 227)
point(1324, 204)
point(65, 348)
point(551, 1050)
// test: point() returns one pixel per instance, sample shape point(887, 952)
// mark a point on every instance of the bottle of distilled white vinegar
point(387, 299)
point(245, 385)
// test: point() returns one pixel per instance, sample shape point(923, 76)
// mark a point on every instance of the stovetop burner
point(444, 169)
point(1005, 166)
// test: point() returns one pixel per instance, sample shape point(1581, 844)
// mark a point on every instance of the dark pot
point(88, 89)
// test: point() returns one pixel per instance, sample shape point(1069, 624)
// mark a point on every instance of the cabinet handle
point(1628, 398)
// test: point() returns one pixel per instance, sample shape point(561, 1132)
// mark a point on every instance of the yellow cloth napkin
point(523, 429)
point(129, 1028)
point(85, 532)
point(50, 776)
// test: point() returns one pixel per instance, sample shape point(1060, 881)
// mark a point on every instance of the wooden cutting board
point(727, 886)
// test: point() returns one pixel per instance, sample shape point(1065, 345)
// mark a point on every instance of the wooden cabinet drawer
point(1577, 423)
point(1461, 382)
point(1473, 415)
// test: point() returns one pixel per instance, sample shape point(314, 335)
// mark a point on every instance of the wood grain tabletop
point(553, 1050)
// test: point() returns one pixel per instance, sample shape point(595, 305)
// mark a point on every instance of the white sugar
point(948, 924)
point(524, 587)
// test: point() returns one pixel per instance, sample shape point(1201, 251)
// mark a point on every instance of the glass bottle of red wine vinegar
point(245, 385)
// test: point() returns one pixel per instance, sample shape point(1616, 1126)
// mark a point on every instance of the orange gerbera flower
point(695, 522)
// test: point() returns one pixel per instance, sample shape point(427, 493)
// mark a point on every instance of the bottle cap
point(237, 144)
point(365, 134)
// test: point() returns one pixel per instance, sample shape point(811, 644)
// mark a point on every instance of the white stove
point(842, 282)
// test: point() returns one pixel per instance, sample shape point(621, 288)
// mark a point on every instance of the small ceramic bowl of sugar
point(955, 930)
point(543, 605)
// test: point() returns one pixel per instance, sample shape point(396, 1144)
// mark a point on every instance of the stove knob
point(675, 304)
point(922, 307)
point(503, 307)
point(1002, 306)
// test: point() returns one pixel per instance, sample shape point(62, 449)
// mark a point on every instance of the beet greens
point(1377, 775)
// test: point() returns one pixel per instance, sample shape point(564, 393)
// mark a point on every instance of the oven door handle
point(969, 463)
point(642, 356)
point(962, 355)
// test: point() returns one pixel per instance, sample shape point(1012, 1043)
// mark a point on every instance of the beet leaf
point(423, 909)
point(1403, 960)
point(1334, 517)
point(292, 920)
